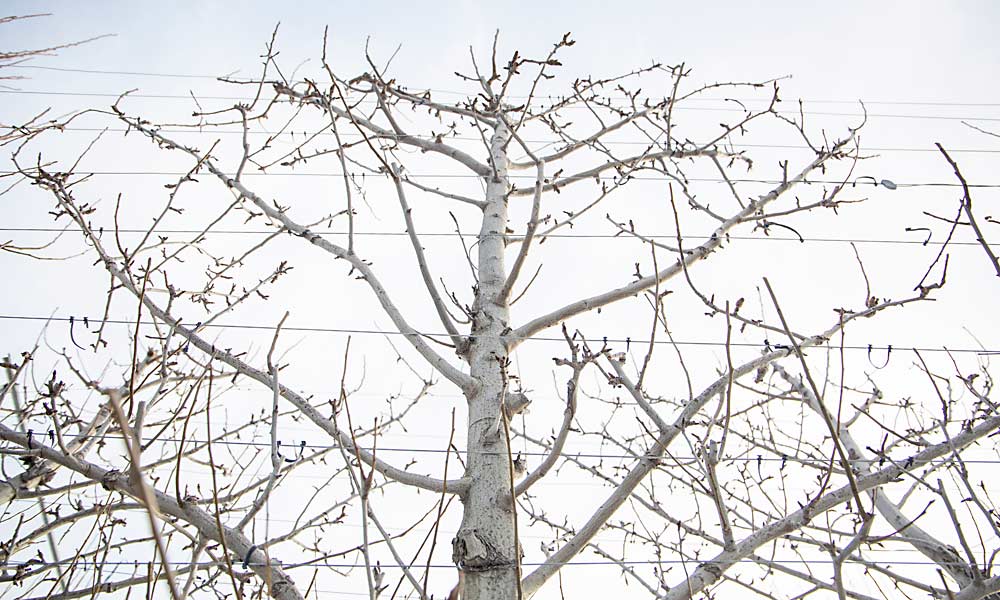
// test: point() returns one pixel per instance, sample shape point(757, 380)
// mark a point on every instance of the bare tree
point(14, 133)
point(784, 471)
point(965, 208)
point(13, 58)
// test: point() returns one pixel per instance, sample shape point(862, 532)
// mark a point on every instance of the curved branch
point(425, 272)
point(477, 203)
point(425, 101)
point(460, 379)
point(711, 571)
point(631, 161)
point(189, 334)
point(967, 206)
point(978, 589)
point(942, 554)
point(637, 395)
point(587, 141)
point(427, 145)
point(719, 235)
point(282, 586)
point(555, 452)
point(651, 459)
point(529, 235)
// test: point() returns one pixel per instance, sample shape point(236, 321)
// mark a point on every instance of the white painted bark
point(43, 470)
point(533, 581)
point(410, 140)
point(946, 557)
point(484, 547)
point(719, 236)
point(709, 572)
point(453, 374)
point(309, 411)
point(240, 547)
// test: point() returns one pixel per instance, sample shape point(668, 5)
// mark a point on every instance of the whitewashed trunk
point(484, 547)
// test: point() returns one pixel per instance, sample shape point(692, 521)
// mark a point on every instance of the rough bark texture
point(484, 547)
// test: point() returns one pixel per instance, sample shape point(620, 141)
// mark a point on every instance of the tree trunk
point(484, 547)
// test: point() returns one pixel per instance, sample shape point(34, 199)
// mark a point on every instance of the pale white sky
point(921, 68)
